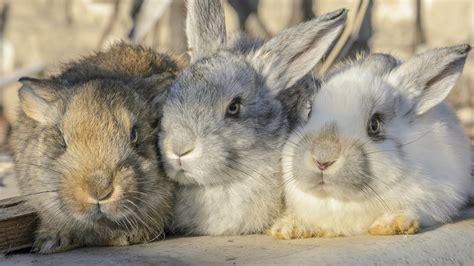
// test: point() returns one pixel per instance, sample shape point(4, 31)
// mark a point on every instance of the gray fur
point(377, 63)
point(228, 174)
point(205, 38)
point(293, 53)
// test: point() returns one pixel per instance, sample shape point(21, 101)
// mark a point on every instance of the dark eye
point(62, 142)
point(233, 109)
point(133, 135)
point(374, 127)
point(309, 107)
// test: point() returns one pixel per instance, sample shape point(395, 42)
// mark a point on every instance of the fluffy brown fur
point(85, 148)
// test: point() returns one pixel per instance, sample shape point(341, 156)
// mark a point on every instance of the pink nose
point(325, 165)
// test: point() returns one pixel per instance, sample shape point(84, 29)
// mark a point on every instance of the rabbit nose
point(100, 188)
point(324, 165)
point(101, 194)
point(182, 149)
point(105, 194)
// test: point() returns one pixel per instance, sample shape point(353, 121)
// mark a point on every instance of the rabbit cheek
point(76, 199)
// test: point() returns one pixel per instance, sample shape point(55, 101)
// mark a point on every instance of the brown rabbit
point(86, 153)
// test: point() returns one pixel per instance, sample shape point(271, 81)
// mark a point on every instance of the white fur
point(238, 208)
point(428, 183)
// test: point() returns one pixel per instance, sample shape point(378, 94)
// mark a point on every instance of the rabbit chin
point(330, 185)
point(100, 214)
point(181, 176)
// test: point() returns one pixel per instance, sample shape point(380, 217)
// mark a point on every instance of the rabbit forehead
point(351, 97)
point(224, 72)
point(91, 120)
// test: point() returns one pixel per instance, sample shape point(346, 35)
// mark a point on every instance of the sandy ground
point(451, 244)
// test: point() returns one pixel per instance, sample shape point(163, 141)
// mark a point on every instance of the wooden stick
point(110, 25)
point(18, 224)
point(348, 36)
point(16, 75)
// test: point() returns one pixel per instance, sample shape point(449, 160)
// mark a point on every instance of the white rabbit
point(226, 120)
point(382, 151)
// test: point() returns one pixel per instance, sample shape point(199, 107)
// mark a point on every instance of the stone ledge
point(447, 244)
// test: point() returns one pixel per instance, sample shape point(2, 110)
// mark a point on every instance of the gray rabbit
point(227, 117)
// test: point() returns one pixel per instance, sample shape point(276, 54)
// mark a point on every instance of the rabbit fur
point(382, 151)
point(85, 150)
point(226, 162)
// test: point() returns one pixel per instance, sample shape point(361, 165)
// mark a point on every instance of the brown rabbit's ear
point(39, 100)
point(155, 88)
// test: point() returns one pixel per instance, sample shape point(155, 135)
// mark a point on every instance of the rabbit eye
point(133, 135)
point(306, 111)
point(233, 109)
point(309, 107)
point(62, 142)
point(374, 127)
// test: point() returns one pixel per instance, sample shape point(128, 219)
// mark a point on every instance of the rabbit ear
point(205, 27)
point(427, 79)
point(379, 64)
point(153, 87)
point(39, 100)
point(293, 53)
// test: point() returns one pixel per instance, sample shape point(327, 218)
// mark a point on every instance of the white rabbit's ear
point(39, 101)
point(294, 52)
point(427, 79)
point(205, 27)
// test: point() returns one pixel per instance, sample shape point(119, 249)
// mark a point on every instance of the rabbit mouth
point(322, 188)
point(97, 213)
point(99, 216)
point(182, 176)
point(321, 182)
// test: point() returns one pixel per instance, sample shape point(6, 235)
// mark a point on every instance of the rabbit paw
point(132, 239)
point(288, 228)
point(48, 244)
point(121, 241)
point(397, 225)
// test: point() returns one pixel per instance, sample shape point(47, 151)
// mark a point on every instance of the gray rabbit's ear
point(293, 53)
point(205, 27)
point(427, 79)
point(39, 100)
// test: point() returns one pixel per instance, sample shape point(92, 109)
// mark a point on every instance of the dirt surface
point(448, 244)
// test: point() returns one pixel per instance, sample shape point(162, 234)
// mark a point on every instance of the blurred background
point(37, 36)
